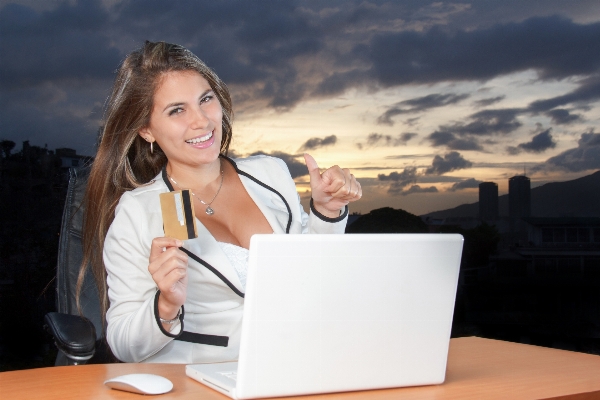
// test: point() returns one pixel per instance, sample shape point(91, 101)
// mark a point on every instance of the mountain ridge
point(575, 198)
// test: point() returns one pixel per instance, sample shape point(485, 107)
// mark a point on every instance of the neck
point(195, 177)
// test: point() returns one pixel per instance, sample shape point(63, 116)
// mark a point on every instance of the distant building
point(69, 158)
point(519, 197)
point(519, 205)
point(558, 250)
point(544, 291)
point(488, 201)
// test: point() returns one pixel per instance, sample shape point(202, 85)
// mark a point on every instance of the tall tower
point(519, 197)
point(488, 201)
point(519, 206)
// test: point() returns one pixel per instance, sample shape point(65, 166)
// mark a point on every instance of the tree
point(388, 220)
point(6, 146)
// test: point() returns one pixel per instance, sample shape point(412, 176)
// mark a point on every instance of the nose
point(199, 120)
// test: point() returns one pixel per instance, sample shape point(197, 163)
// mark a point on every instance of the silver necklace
point(209, 210)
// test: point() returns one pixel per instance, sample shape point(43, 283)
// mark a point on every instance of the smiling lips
point(202, 141)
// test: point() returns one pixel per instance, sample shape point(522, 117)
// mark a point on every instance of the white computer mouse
point(140, 383)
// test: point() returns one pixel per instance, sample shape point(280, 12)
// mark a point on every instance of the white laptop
point(335, 313)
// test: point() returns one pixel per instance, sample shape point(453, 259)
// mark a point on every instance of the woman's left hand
point(332, 189)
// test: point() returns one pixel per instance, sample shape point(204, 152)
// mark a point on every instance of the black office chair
point(79, 339)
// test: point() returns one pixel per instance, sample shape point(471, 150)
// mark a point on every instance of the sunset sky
point(422, 100)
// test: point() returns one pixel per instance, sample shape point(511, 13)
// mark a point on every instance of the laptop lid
point(330, 313)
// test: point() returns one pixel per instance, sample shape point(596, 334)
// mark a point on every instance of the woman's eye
point(176, 111)
point(206, 99)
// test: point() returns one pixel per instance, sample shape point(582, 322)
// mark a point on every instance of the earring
point(151, 148)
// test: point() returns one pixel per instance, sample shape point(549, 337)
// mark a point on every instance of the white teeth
point(200, 139)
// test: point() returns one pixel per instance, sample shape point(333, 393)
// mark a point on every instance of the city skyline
point(423, 101)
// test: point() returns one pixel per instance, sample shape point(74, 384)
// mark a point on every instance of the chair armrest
point(74, 335)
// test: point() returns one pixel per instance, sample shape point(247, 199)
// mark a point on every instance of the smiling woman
point(184, 103)
point(167, 129)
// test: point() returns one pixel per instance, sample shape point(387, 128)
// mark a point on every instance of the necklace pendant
point(209, 210)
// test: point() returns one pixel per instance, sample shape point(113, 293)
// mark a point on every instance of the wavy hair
point(123, 161)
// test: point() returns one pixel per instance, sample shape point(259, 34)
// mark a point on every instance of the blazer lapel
point(205, 246)
point(268, 203)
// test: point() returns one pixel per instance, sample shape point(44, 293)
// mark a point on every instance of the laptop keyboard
point(230, 374)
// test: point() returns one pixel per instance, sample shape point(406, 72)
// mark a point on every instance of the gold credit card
point(179, 220)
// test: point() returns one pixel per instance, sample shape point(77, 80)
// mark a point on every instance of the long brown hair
point(124, 161)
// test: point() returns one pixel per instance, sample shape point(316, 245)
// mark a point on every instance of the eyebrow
point(172, 105)
point(180, 103)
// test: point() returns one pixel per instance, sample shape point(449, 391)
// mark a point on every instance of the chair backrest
point(70, 255)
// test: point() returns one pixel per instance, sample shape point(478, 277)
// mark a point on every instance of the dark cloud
point(450, 162)
point(406, 136)
point(378, 139)
point(450, 140)
point(267, 42)
point(489, 101)
point(407, 156)
point(589, 91)
point(315, 143)
point(513, 150)
point(285, 91)
point(553, 46)
point(400, 180)
point(244, 43)
point(419, 104)
point(465, 135)
point(438, 179)
point(560, 116)
point(414, 189)
point(280, 23)
point(297, 168)
point(56, 130)
point(278, 54)
point(462, 135)
point(59, 45)
point(412, 121)
point(338, 82)
point(470, 183)
point(538, 144)
point(584, 157)
point(489, 12)
point(488, 122)
point(437, 54)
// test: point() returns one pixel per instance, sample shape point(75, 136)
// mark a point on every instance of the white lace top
point(239, 259)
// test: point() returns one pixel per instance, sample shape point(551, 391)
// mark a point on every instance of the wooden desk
point(477, 369)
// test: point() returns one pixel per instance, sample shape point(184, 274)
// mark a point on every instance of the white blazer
point(214, 305)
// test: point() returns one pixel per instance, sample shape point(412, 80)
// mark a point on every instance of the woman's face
point(186, 119)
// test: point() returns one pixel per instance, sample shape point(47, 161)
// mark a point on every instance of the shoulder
point(144, 196)
point(270, 171)
point(262, 164)
point(138, 213)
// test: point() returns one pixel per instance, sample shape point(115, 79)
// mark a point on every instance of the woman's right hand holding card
point(168, 267)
